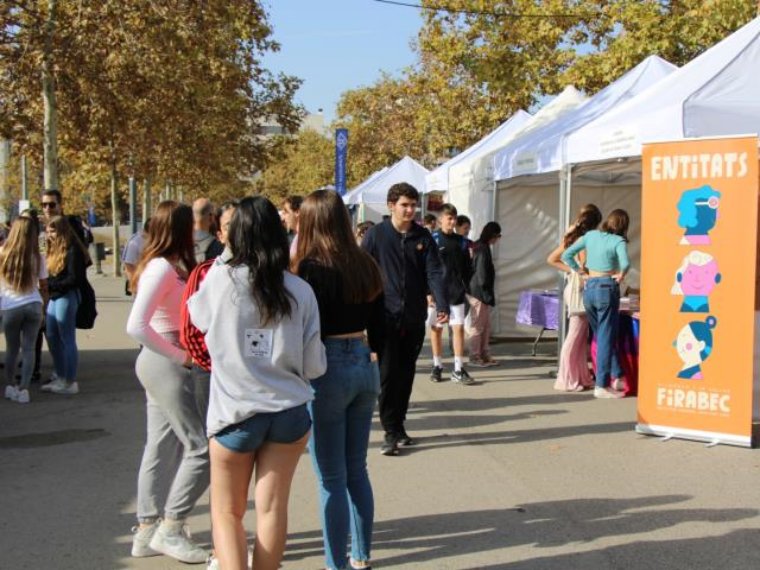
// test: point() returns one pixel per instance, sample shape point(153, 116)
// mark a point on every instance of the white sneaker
point(213, 562)
point(141, 541)
point(68, 388)
point(11, 393)
point(606, 393)
point(173, 539)
point(52, 384)
point(618, 384)
point(22, 397)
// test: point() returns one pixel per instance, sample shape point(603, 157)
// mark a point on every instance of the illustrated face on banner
point(698, 214)
point(694, 345)
point(695, 280)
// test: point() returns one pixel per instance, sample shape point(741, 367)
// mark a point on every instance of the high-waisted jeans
point(341, 413)
point(601, 297)
point(61, 332)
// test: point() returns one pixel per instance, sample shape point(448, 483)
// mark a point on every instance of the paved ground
point(508, 474)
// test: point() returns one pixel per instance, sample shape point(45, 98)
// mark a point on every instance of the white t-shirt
point(133, 249)
point(12, 299)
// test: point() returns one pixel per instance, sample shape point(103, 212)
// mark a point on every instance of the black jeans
point(398, 363)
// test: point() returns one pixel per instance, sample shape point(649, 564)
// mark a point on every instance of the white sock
point(457, 363)
point(437, 361)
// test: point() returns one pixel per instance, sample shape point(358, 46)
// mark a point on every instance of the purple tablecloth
point(539, 309)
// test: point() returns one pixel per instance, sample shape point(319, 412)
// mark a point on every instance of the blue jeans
point(341, 412)
point(601, 297)
point(61, 332)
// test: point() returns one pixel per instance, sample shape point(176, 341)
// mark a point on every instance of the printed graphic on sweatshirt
point(258, 343)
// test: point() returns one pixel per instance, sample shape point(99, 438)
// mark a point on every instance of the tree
point(169, 91)
point(301, 164)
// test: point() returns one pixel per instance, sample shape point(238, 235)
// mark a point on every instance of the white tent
point(438, 179)
point(544, 149)
point(373, 192)
point(471, 185)
point(717, 93)
point(528, 196)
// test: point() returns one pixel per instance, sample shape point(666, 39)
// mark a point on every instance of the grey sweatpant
point(176, 444)
point(21, 326)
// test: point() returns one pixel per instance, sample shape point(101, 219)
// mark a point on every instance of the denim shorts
point(286, 426)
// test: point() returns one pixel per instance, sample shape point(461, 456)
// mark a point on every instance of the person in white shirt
point(23, 283)
point(263, 335)
point(132, 253)
point(174, 422)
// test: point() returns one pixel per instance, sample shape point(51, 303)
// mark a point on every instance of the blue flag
point(341, 153)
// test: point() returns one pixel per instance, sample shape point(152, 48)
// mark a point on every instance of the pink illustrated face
point(699, 279)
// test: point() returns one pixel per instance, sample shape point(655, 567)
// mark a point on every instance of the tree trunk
point(50, 126)
point(147, 200)
point(116, 219)
point(5, 194)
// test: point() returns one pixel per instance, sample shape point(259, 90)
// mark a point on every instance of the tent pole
point(494, 216)
point(565, 179)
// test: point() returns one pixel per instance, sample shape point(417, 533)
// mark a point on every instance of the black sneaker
point(436, 374)
point(404, 440)
point(461, 377)
point(390, 445)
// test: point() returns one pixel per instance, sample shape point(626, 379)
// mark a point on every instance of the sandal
point(360, 564)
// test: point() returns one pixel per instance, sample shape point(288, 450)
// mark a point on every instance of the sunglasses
point(50, 204)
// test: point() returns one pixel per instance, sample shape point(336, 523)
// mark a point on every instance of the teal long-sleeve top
point(604, 252)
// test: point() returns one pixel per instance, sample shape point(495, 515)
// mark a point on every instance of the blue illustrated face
point(698, 213)
point(706, 217)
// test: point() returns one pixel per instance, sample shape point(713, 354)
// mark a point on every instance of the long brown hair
point(170, 234)
point(589, 218)
point(325, 236)
point(617, 223)
point(58, 246)
point(20, 258)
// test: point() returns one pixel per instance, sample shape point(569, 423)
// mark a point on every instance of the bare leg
point(436, 340)
point(275, 465)
point(230, 478)
point(458, 332)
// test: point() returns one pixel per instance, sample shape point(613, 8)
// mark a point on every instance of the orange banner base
point(710, 438)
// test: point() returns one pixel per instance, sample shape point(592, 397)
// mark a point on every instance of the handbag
point(87, 311)
point(574, 295)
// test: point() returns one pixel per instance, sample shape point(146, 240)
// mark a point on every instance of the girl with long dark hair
point(23, 285)
point(67, 260)
point(348, 286)
point(262, 332)
point(482, 296)
point(606, 266)
point(574, 374)
point(174, 423)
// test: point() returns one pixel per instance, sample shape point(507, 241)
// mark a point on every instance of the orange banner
point(699, 237)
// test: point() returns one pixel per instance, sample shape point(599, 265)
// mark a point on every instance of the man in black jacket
point(457, 264)
point(408, 259)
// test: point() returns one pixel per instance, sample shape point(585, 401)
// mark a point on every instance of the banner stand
point(699, 367)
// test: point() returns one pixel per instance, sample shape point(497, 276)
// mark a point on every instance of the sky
point(337, 45)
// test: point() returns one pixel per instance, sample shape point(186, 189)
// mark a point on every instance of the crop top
point(604, 252)
point(337, 317)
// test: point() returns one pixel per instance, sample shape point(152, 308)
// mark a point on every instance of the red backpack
point(193, 340)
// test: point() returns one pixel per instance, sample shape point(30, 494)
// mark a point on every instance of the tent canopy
point(470, 181)
point(715, 94)
point(544, 149)
point(374, 190)
point(438, 179)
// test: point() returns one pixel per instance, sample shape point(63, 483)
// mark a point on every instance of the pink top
point(155, 315)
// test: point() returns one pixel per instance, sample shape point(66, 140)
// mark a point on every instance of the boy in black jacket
point(455, 256)
point(408, 259)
